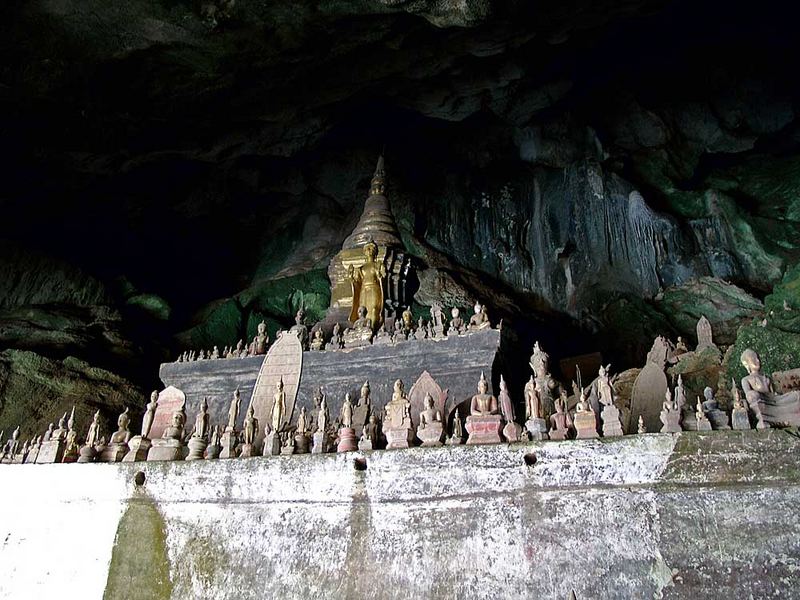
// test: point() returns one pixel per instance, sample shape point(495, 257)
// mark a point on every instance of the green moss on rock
point(281, 298)
point(153, 305)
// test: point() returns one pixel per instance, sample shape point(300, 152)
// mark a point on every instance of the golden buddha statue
point(367, 282)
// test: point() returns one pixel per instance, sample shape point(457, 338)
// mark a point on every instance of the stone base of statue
point(321, 443)
point(612, 427)
point(113, 453)
point(585, 426)
point(228, 442)
point(484, 429)
point(559, 433)
point(455, 440)
point(51, 451)
point(365, 444)
point(197, 448)
point(356, 338)
point(671, 420)
point(138, 448)
point(397, 439)
point(537, 429)
point(272, 444)
point(703, 424)
point(739, 419)
point(431, 434)
point(287, 450)
point(213, 451)
point(782, 411)
point(512, 432)
point(347, 440)
point(165, 449)
point(71, 455)
point(32, 454)
point(301, 443)
point(249, 450)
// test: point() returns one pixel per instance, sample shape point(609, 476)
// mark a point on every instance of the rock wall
point(653, 516)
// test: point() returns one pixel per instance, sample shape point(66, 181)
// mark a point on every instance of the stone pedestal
point(249, 450)
point(612, 427)
point(287, 450)
point(365, 444)
point(165, 449)
point(228, 443)
point(213, 451)
point(399, 438)
point(739, 419)
point(272, 445)
point(138, 448)
point(71, 455)
point(703, 424)
point(484, 429)
point(347, 440)
point(301, 443)
point(671, 420)
point(321, 443)
point(32, 455)
point(113, 453)
point(537, 428)
point(512, 432)
point(51, 452)
point(197, 448)
point(585, 426)
point(431, 434)
point(455, 440)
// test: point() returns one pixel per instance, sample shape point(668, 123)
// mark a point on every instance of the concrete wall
point(711, 515)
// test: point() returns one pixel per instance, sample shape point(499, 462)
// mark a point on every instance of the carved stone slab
point(416, 396)
point(169, 400)
point(647, 396)
point(284, 360)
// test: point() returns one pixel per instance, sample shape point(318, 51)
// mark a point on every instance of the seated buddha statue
point(479, 320)
point(778, 410)
point(484, 422)
point(260, 341)
point(360, 333)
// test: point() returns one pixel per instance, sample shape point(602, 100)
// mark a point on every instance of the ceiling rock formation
point(599, 172)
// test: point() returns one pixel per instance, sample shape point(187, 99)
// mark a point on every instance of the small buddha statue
point(397, 426)
point(560, 421)
point(777, 410)
point(641, 428)
point(670, 414)
point(302, 422)
point(368, 285)
point(60, 433)
point(718, 418)
point(680, 347)
point(703, 424)
point(370, 430)
point(361, 332)
point(740, 420)
point(484, 422)
point(300, 329)
point(174, 431)
point(408, 321)
point(123, 434)
point(436, 324)
point(458, 431)
point(362, 410)
point(346, 416)
point(322, 417)
point(456, 322)
point(382, 337)
point(363, 321)
point(47, 434)
point(201, 422)
point(215, 353)
point(337, 340)
point(240, 345)
point(480, 319)
point(233, 411)
point(317, 341)
point(88, 452)
point(547, 386)
point(431, 428)
point(278, 407)
point(260, 341)
point(250, 426)
point(585, 420)
point(149, 414)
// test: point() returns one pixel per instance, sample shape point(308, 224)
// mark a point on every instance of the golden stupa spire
point(377, 222)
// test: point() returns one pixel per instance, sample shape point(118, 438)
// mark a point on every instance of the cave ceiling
point(174, 172)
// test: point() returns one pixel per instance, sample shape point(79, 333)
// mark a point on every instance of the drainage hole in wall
point(360, 464)
point(530, 459)
point(138, 479)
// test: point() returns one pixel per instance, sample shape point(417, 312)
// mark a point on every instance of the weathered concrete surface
point(694, 515)
point(455, 362)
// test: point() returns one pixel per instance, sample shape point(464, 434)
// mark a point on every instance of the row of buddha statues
point(550, 413)
point(359, 333)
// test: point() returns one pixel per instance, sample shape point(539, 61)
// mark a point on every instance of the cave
point(598, 174)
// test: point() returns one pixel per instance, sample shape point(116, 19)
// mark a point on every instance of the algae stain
point(139, 563)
